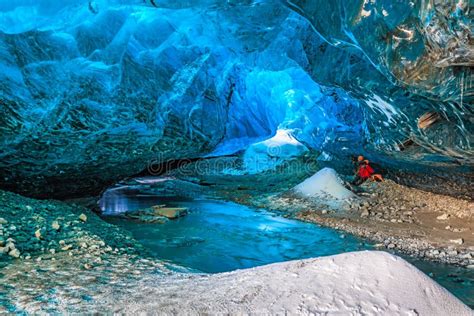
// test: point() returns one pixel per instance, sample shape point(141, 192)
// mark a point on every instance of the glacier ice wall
point(402, 58)
point(92, 91)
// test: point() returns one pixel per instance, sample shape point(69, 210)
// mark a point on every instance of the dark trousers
point(358, 180)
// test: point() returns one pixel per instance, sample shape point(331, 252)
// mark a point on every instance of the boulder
point(169, 212)
point(83, 217)
point(156, 214)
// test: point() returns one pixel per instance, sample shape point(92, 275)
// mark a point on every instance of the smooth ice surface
point(324, 183)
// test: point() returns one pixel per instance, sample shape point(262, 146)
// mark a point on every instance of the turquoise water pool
point(218, 236)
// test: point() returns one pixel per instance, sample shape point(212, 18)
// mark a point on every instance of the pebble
point(83, 217)
point(466, 256)
point(10, 245)
point(15, 253)
point(55, 225)
point(458, 241)
point(443, 217)
point(38, 234)
point(66, 248)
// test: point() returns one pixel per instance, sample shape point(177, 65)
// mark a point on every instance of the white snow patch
point(324, 183)
point(376, 103)
point(357, 283)
point(272, 152)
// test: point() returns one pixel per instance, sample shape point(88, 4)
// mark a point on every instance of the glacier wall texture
point(92, 91)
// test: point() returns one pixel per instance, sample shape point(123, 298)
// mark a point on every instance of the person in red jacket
point(364, 171)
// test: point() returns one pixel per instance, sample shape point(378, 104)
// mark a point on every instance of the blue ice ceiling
point(93, 90)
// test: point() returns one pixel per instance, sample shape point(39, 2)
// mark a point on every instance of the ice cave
point(188, 157)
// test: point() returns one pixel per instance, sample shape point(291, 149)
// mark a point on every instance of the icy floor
point(220, 236)
point(355, 283)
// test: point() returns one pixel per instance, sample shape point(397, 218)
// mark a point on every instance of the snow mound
point(323, 183)
point(357, 283)
point(272, 152)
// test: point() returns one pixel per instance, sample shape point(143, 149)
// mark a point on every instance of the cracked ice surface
point(95, 90)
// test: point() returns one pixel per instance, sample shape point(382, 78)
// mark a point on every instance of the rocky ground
point(419, 223)
point(51, 250)
point(57, 256)
point(42, 229)
point(415, 222)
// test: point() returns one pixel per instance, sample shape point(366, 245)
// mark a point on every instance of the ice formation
point(272, 152)
point(96, 90)
point(325, 183)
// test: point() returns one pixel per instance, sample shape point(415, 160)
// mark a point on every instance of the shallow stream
point(218, 236)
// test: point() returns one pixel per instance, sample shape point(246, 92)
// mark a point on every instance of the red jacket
point(365, 171)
